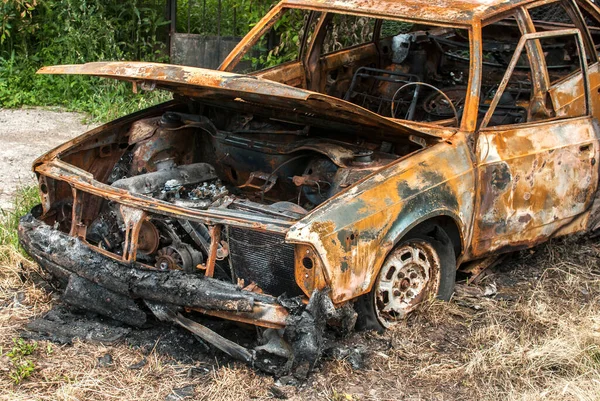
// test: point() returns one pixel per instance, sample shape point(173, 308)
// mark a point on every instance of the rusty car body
point(394, 142)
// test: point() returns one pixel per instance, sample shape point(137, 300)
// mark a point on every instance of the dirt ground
point(26, 134)
point(529, 331)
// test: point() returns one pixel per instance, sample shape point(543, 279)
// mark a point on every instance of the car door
point(536, 178)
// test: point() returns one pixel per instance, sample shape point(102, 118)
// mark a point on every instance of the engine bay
point(209, 158)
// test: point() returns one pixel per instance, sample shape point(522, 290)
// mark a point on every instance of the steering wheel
point(429, 86)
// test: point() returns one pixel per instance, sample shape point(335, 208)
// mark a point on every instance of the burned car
point(338, 175)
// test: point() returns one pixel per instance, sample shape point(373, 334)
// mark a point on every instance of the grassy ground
point(536, 338)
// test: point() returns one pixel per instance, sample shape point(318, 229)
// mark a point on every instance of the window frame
point(261, 28)
point(523, 41)
point(594, 11)
point(311, 52)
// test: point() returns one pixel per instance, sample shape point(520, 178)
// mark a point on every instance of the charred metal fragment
point(304, 331)
point(150, 183)
point(89, 296)
point(61, 326)
point(167, 313)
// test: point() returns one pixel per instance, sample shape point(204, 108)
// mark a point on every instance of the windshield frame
point(467, 118)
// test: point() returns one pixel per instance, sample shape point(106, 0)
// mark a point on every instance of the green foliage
point(16, 19)
point(237, 18)
point(25, 199)
point(34, 33)
point(347, 30)
point(21, 349)
point(392, 28)
point(22, 367)
point(75, 31)
point(282, 43)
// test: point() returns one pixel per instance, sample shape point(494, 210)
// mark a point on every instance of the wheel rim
point(409, 275)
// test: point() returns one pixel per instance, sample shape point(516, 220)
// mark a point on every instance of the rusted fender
point(231, 87)
point(354, 231)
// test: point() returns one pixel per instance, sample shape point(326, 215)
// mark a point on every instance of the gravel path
point(26, 134)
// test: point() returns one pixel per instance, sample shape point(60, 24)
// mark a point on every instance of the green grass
point(25, 198)
point(101, 99)
point(107, 104)
point(50, 32)
point(22, 366)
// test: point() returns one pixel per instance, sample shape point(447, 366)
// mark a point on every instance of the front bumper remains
point(294, 331)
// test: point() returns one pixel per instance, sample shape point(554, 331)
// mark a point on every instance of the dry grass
point(547, 345)
point(73, 372)
point(537, 339)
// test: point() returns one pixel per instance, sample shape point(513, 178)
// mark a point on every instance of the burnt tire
point(403, 282)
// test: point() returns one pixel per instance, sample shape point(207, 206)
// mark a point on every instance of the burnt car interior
point(419, 72)
point(422, 74)
point(499, 43)
point(403, 70)
point(518, 103)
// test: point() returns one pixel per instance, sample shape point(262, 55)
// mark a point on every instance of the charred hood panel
point(243, 90)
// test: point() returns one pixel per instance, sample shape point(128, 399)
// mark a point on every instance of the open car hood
point(244, 91)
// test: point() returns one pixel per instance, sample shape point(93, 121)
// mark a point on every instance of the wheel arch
point(446, 220)
point(445, 228)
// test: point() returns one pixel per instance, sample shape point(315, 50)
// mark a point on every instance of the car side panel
point(291, 74)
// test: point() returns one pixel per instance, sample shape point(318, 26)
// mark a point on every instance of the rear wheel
point(421, 266)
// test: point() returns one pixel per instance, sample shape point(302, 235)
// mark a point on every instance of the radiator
point(265, 259)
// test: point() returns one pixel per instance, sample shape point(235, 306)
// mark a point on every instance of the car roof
point(462, 12)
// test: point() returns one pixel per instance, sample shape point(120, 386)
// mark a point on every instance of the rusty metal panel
point(354, 231)
point(291, 74)
point(568, 95)
point(535, 179)
point(443, 11)
point(83, 181)
point(203, 83)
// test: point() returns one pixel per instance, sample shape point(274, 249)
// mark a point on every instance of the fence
point(203, 32)
point(200, 51)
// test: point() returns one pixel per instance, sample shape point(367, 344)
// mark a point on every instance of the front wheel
point(421, 266)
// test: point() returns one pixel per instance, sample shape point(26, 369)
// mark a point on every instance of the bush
point(34, 33)
point(51, 32)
